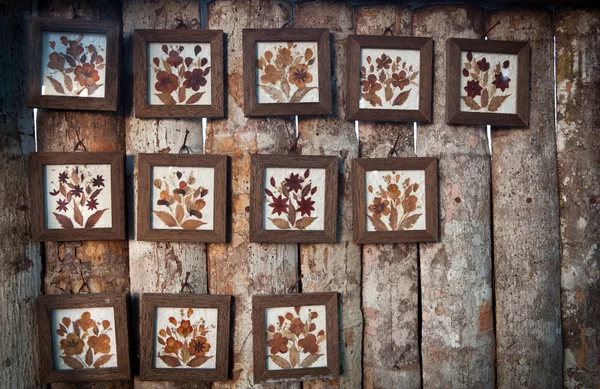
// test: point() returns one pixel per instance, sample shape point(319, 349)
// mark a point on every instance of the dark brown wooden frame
point(140, 65)
point(320, 35)
point(454, 46)
point(362, 165)
point(145, 163)
point(257, 178)
point(45, 304)
point(355, 44)
point(259, 335)
point(151, 301)
point(39, 232)
point(109, 102)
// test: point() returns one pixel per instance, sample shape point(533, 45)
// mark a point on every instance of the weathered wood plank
point(526, 224)
point(390, 272)
point(335, 267)
point(21, 264)
point(578, 145)
point(159, 266)
point(241, 268)
point(456, 273)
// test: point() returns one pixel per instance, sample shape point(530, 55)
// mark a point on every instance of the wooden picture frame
point(490, 95)
point(190, 305)
point(371, 176)
point(193, 69)
point(419, 108)
point(178, 224)
point(305, 227)
point(318, 37)
point(89, 196)
point(294, 324)
point(94, 332)
point(79, 66)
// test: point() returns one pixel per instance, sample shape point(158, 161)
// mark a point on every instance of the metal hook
point(75, 8)
point(296, 285)
point(184, 147)
point(393, 149)
point(389, 30)
point(185, 284)
point(287, 22)
point(485, 34)
point(79, 141)
point(180, 24)
point(87, 287)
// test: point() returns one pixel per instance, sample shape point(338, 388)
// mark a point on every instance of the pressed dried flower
point(279, 205)
point(278, 344)
point(300, 76)
point(309, 344)
point(199, 346)
point(473, 88)
point(86, 75)
point(72, 345)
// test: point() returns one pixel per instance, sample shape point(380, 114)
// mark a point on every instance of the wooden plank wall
point(519, 227)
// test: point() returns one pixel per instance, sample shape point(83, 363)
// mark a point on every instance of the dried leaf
point(484, 97)
point(401, 98)
point(294, 356)
point(496, 102)
point(305, 190)
point(190, 312)
point(166, 99)
point(414, 76)
point(389, 93)
point(409, 204)
point(310, 360)
point(292, 215)
point(77, 216)
point(474, 76)
point(157, 183)
point(308, 54)
point(76, 329)
point(70, 60)
point(280, 223)
point(191, 224)
point(179, 213)
point(181, 94)
point(393, 218)
point(485, 78)
point(370, 188)
point(199, 205)
point(409, 221)
point(92, 220)
point(468, 65)
point(167, 66)
point(68, 82)
point(492, 90)
point(89, 357)
point(166, 218)
point(72, 363)
point(195, 98)
point(170, 361)
point(56, 85)
point(373, 99)
point(66, 321)
point(165, 49)
point(280, 361)
point(64, 221)
point(275, 93)
point(96, 193)
point(161, 341)
point(377, 223)
point(285, 87)
point(470, 103)
point(300, 93)
point(305, 222)
point(198, 361)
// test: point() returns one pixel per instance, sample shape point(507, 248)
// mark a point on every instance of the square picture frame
point(400, 179)
point(491, 94)
point(84, 198)
point(199, 345)
point(183, 89)
point(75, 62)
point(89, 337)
point(269, 323)
point(281, 69)
point(192, 200)
point(311, 188)
point(394, 76)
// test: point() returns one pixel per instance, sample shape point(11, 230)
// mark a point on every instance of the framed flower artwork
point(178, 73)
point(293, 198)
point(77, 196)
point(395, 200)
point(73, 64)
point(487, 82)
point(391, 78)
point(83, 337)
point(182, 197)
point(184, 337)
point(286, 72)
point(295, 336)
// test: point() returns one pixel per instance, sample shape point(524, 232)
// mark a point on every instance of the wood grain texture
point(578, 80)
point(390, 275)
point(241, 268)
point(21, 265)
point(456, 273)
point(103, 265)
point(159, 266)
point(335, 267)
point(526, 220)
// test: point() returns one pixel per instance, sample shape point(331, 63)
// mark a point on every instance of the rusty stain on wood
point(241, 268)
point(390, 273)
point(578, 86)
point(335, 267)
point(526, 232)
point(456, 273)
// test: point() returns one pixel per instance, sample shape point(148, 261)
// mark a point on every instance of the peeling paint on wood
point(526, 224)
point(578, 145)
point(241, 268)
point(335, 267)
point(159, 267)
point(456, 273)
point(21, 263)
point(390, 272)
